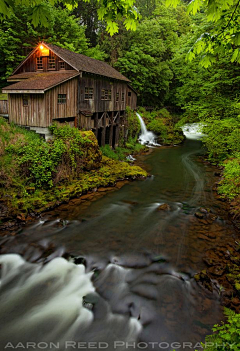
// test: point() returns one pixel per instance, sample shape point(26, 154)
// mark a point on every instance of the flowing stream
point(138, 249)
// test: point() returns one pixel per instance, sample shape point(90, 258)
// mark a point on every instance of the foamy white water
point(193, 131)
point(146, 137)
point(44, 304)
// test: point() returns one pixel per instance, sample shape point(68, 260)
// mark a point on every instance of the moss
point(79, 166)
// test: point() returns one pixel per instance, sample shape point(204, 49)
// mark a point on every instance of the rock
point(217, 270)
point(204, 210)
point(163, 207)
point(129, 202)
point(204, 279)
point(211, 235)
point(236, 301)
point(199, 215)
point(21, 217)
point(203, 237)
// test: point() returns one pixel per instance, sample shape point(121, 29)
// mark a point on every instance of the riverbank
point(37, 176)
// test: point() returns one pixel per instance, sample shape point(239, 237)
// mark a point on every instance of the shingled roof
point(40, 82)
point(82, 63)
point(86, 64)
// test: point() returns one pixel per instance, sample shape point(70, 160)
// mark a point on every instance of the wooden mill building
point(55, 84)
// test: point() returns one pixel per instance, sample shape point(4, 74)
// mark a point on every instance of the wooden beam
point(104, 129)
point(111, 129)
point(96, 124)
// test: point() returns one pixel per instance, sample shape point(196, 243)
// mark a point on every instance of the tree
point(223, 36)
point(18, 36)
point(110, 11)
point(146, 57)
point(204, 94)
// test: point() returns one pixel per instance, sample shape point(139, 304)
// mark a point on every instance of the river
point(137, 251)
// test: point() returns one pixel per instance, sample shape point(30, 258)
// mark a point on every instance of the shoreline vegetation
point(36, 175)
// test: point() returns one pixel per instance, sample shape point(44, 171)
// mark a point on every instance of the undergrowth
point(35, 173)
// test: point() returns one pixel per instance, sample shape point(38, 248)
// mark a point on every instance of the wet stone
point(199, 215)
point(203, 237)
point(163, 207)
point(217, 270)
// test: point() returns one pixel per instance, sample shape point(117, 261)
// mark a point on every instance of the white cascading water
point(146, 137)
point(43, 305)
point(193, 131)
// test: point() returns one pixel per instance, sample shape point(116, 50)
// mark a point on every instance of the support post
point(103, 130)
point(111, 130)
point(96, 124)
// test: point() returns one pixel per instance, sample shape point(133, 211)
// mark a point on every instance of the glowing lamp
point(44, 50)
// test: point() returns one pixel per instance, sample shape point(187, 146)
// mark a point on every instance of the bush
point(226, 336)
point(230, 184)
point(222, 138)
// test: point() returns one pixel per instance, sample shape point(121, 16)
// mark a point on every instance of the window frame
point(25, 99)
point(62, 99)
point(61, 62)
point(51, 63)
point(106, 94)
point(88, 93)
point(39, 62)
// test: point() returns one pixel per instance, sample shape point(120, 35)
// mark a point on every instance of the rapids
point(131, 285)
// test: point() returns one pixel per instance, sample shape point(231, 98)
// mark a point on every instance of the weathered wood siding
point(97, 104)
point(3, 107)
point(53, 110)
point(32, 115)
point(31, 64)
point(131, 99)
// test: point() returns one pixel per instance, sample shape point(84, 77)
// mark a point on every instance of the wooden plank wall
point(32, 115)
point(54, 110)
point(96, 104)
point(131, 99)
point(31, 66)
point(4, 107)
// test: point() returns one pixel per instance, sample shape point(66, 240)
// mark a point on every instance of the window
point(39, 63)
point(103, 94)
point(51, 62)
point(61, 64)
point(88, 93)
point(106, 94)
point(129, 93)
point(25, 99)
point(123, 97)
point(62, 98)
point(117, 97)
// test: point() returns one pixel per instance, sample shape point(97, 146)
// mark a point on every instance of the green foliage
point(162, 123)
point(230, 184)
point(35, 174)
point(145, 56)
point(109, 152)
point(226, 336)
point(18, 36)
point(223, 138)
point(204, 93)
point(223, 36)
point(133, 124)
point(110, 11)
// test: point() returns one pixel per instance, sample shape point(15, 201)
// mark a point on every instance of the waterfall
point(193, 131)
point(146, 137)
